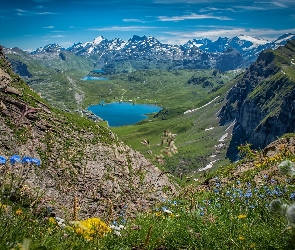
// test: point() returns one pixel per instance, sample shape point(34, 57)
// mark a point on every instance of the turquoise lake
point(124, 113)
point(91, 78)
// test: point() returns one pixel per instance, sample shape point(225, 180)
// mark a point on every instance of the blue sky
point(29, 24)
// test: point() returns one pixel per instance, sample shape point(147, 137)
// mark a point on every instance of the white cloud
point(49, 27)
point(214, 34)
point(123, 28)
point(57, 36)
point(22, 12)
point(45, 13)
point(280, 4)
point(191, 17)
point(133, 20)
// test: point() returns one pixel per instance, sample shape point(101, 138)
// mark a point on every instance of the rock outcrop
point(262, 101)
point(81, 161)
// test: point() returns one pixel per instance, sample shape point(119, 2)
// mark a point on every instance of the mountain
point(81, 160)
point(146, 52)
point(262, 101)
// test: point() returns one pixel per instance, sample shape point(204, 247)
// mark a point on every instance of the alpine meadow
point(177, 134)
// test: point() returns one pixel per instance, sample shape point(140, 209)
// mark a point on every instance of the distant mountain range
point(224, 53)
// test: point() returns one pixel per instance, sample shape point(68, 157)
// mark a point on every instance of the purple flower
point(14, 159)
point(2, 160)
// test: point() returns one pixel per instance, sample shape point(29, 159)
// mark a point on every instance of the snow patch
point(98, 40)
point(206, 129)
point(222, 138)
point(192, 110)
point(208, 166)
point(253, 40)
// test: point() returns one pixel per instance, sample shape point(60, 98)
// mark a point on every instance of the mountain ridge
point(262, 101)
point(196, 53)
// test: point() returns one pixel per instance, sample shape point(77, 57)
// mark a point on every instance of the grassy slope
point(168, 89)
point(195, 143)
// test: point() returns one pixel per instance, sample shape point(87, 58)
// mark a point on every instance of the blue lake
point(97, 71)
point(91, 78)
point(124, 113)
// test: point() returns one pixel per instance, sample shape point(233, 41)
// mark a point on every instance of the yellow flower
point(242, 216)
point(19, 212)
point(158, 214)
point(252, 245)
point(51, 220)
point(3, 206)
point(90, 228)
point(241, 238)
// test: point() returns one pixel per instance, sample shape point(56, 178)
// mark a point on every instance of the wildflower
point(248, 194)
point(14, 159)
point(51, 220)
point(3, 206)
point(26, 160)
point(241, 238)
point(292, 196)
point(18, 212)
point(158, 214)
point(60, 222)
point(242, 216)
point(165, 210)
point(2, 160)
point(117, 229)
point(36, 161)
point(90, 228)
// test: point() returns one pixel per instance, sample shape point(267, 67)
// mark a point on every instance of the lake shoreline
point(123, 113)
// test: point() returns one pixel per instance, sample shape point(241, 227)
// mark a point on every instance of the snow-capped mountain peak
point(282, 39)
point(255, 41)
point(98, 40)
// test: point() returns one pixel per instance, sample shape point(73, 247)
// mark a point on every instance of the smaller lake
point(124, 113)
point(91, 78)
point(97, 71)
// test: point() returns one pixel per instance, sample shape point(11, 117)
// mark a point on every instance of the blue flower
point(248, 194)
point(238, 182)
point(36, 161)
point(14, 159)
point(217, 184)
point(26, 160)
point(202, 213)
point(292, 196)
point(2, 160)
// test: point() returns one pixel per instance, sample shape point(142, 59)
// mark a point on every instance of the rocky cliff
point(262, 101)
point(81, 160)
